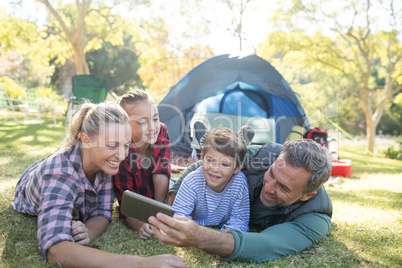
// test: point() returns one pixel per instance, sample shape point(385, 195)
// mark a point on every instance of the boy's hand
point(145, 232)
point(80, 233)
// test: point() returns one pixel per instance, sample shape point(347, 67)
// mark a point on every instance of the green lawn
point(366, 229)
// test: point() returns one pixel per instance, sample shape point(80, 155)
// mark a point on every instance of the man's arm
point(281, 239)
point(183, 232)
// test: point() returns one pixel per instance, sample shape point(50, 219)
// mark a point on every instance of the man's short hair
point(311, 156)
point(227, 142)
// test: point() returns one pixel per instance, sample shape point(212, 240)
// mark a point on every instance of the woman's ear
point(85, 140)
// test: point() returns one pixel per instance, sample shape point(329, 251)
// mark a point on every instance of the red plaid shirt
point(135, 177)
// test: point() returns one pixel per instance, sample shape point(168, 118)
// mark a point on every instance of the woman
point(71, 191)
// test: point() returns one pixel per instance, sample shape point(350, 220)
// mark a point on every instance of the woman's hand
point(80, 233)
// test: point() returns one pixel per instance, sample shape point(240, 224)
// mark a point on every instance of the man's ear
point(307, 196)
point(85, 140)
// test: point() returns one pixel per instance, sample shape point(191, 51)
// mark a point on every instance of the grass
point(366, 227)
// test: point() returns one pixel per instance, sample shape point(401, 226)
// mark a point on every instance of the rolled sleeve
point(105, 200)
point(56, 213)
point(281, 239)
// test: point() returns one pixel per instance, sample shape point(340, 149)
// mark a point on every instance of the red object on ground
point(342, 168)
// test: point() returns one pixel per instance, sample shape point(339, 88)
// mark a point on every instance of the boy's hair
point(133, 97)
point(227, 142)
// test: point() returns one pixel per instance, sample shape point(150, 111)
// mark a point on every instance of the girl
point(71, 190)
point(146, 170)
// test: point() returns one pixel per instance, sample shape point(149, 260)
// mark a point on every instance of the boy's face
point(218, 168)
point(145, 124)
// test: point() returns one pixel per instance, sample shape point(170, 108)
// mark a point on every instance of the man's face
point(283, 185)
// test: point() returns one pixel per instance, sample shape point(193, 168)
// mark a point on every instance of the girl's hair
point(89, 119)
point(133, 97)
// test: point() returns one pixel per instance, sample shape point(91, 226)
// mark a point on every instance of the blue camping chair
point(89, 88)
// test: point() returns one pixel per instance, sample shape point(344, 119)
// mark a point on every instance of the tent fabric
point(244, 86)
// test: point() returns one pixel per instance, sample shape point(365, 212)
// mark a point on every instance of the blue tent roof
point(213, 78)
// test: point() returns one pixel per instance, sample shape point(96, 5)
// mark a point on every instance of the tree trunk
point(370, 132)
point(76, 38)
point(81, 65)
point(365, 105)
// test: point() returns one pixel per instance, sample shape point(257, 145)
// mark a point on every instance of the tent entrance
point(238, 105)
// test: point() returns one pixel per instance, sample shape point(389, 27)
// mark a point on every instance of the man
point(288, 203)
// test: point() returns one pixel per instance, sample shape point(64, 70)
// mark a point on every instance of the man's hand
point(145, 232)
point(178, 231)
point(80, 233)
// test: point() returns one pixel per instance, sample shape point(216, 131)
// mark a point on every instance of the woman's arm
point(96, 226)
point(68, 254)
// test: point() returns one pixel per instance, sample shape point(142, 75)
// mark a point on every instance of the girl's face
point(145, 124)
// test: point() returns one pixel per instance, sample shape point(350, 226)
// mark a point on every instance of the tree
point(85, 26)
point(117, 64)
point(24, 53)
point(353, 45)
point(237, 9)
point(162, 61)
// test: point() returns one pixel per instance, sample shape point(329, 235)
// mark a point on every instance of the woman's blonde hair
point(89, 119)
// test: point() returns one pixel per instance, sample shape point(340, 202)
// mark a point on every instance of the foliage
point(368, 57)
point(24, 55)
point(393, 153)
point(365, 232)
point(117, 64)
point(392, 121)
point(14, 90)
point(161, 66)
point(83, 25)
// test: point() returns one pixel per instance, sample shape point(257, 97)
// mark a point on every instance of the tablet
point(141, 208)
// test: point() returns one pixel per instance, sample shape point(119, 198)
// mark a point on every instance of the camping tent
point(231, 91)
